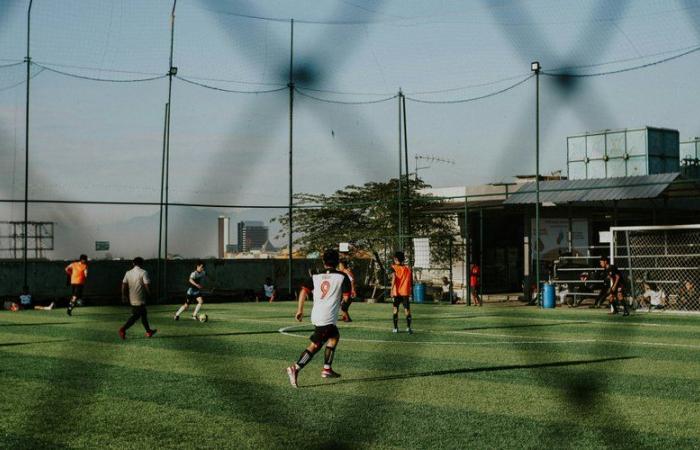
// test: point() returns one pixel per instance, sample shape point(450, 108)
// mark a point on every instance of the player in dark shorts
point(77, 272)
point(194, 291)
point(329, 288)
point(401, 286)
point(618, 290)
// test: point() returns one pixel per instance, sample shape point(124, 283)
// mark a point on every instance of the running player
point(401, 290)
point(329, 288)
point(78, 272)
point(136, 285)
point(269, 290)
point(194, 291)
point(345, 306)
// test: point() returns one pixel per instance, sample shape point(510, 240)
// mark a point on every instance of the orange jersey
point(403, 280)
point(78, 272)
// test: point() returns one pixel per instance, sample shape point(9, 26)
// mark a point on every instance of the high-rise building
point(224, 238)
point(252, 234)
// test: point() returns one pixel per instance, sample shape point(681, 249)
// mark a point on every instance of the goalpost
point(667, 256)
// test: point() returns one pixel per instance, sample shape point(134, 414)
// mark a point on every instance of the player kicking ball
point(329, 288)
point(401, 286)
point(194, 291)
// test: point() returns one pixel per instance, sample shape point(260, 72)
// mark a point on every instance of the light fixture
point(535, 66)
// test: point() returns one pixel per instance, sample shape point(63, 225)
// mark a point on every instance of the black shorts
point(401, 299)
point(322, 334)
point(191, 298)
point(77, 290)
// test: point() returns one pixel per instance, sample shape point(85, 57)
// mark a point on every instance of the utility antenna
point(429, 160)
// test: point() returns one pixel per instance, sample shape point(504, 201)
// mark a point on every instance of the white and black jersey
point(328, 287)
point(197, 277)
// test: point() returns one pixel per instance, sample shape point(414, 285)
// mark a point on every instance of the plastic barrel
point(419, 292)
point(548, 296)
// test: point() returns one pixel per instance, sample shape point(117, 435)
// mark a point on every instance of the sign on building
point(101, 246)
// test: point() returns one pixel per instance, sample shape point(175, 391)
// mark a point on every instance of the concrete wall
point(234, 279)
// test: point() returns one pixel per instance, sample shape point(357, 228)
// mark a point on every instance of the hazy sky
point(103, 141)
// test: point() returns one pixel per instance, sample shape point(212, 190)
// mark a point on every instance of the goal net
point(661, 262)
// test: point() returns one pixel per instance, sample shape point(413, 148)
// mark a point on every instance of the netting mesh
point(663, 264)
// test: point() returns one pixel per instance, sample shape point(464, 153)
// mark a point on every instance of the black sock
point(328, 357)
point(304, 358)
point(396, 320)
point(408, 320)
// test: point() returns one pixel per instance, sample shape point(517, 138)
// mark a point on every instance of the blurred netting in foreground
point(99, 86)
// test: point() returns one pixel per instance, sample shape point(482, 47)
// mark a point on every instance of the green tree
point(367, 216)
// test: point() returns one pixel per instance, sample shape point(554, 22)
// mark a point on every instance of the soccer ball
point(203, 317)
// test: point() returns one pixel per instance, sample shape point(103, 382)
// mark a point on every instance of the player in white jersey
point(330, 288)
point(194, 291)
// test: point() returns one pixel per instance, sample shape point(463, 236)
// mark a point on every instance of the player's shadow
point(437, 373)
point(499, 327)
point(36, 324)
point(207, 335)
point(11, 344)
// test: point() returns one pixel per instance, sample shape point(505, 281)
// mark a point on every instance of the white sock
point(179, 311)
point(196, 309)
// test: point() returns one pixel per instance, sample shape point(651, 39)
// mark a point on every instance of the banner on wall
point(554, 236)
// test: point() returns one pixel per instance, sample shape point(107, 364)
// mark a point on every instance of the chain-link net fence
point(662, 265)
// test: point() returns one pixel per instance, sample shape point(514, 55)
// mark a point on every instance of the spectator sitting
point(446, 290)
point(688, 296)
point(653, 296)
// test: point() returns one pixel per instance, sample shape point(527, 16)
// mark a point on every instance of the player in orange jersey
point(78, 272)
point(401, 286)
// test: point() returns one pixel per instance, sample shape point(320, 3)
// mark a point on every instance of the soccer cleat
point(176, 317)
point(150, 333)
point(409, 330)
point(329, 373)
point(194, 317)
point(395, 330)
point(122, 333)
point(293, 373)
point(69, 311)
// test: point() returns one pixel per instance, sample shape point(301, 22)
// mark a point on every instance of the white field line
point(286, 332)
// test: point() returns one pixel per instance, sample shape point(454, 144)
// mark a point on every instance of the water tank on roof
point(620, 153)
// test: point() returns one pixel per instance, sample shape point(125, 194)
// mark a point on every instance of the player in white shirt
point(330, 288)
point(194, 291)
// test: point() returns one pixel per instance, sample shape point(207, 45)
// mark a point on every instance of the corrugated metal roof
point(623, 188)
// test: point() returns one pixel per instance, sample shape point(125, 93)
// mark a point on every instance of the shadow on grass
point(500, 327)
point(35, 324)
point(437, 373)
point(10, 344)
point(234, 333)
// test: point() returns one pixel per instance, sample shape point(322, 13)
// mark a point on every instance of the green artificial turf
point(491, 377)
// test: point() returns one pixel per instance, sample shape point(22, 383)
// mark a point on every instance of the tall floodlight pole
point(408, 181)
point(399, 202)
point(291, 150)
point(28, 60)
point(535, 67)
point(165, 174)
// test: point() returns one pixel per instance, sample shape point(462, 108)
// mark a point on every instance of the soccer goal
point(663, 259)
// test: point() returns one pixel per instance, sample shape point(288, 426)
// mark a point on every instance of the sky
point(97, 140)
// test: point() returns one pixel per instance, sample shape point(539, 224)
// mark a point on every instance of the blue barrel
point(549, 299)
point(419, 292)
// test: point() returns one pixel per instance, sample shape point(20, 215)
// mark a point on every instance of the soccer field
point(491, 377)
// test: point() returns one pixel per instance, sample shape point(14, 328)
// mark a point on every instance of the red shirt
point(403, 279)
point(474, 274)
